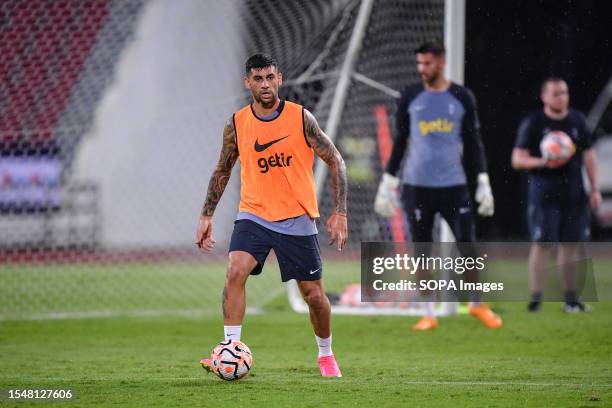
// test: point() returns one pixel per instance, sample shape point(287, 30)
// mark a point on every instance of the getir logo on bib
point(274, 160)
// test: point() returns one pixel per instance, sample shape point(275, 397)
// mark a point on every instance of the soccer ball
point(232, 360)
point(557, 145)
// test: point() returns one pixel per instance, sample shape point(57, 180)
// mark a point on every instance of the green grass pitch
point(546, 359)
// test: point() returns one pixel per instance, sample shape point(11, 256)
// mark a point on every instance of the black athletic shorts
point(556, 218)
point(453, 203)
point(298, 256)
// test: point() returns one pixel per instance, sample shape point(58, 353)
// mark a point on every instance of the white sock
point(232, 332)
point(324, 346)
point(430, 310)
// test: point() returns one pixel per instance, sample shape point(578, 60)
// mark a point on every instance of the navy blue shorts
point(298, 256)
point(557, 222)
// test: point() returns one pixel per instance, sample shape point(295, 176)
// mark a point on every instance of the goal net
point(110, 124)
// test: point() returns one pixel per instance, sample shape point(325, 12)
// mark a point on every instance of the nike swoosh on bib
point(261, 148)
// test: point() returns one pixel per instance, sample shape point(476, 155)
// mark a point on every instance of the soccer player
point(276, 142)
point(439, 120)
point(557, 204)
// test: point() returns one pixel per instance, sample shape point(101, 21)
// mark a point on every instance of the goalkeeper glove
point(387, 200)
point(484, 196)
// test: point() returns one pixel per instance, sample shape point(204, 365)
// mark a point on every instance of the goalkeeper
point(439, 120)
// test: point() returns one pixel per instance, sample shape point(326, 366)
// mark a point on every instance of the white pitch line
point(95, 314)
point(509, 383)
point(290, 379)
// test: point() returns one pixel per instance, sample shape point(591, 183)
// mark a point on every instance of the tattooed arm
point(325, 149)
point(216, 186)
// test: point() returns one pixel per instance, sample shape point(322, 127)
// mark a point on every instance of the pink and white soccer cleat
point(207, 364)
point(329, 367)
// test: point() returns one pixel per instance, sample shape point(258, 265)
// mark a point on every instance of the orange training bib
point(276, 174)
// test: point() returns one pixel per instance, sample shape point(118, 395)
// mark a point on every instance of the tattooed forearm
point(326, 150)
point(223, 170)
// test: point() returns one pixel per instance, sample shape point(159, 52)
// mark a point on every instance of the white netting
point(111, 114)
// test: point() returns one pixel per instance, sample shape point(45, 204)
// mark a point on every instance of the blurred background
point(111, 115)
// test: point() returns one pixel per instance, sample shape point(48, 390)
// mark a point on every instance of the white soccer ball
point(557, 145)
point(232, 360)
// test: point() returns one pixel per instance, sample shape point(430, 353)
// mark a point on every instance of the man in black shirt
point(557, 203)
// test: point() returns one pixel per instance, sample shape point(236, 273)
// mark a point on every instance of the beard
point(431, 78)
point(266, 104)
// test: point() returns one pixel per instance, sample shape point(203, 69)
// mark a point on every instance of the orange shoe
point(484, 313)
point(426, 323)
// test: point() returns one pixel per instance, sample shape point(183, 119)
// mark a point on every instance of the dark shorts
point(453, 203)
point(298, 256)
point(557, 221)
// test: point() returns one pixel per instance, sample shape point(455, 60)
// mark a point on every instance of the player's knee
point(544, 246)
point(236, 274)
point(315, 298)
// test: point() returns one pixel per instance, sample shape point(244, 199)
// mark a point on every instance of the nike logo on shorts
point(261, 148)
point(313, 272)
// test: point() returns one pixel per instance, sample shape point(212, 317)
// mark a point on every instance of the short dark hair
point(435, 47)
point(259, 61)
point(549, 79)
